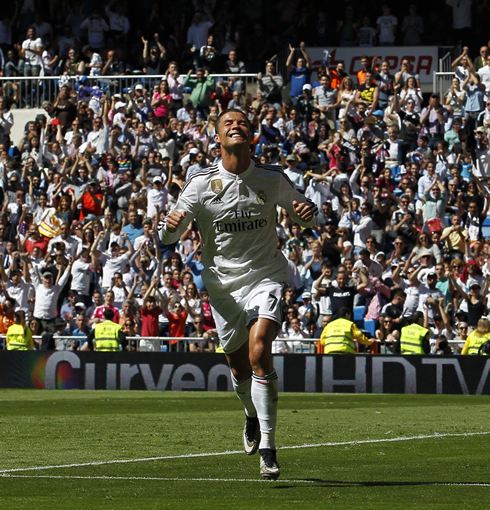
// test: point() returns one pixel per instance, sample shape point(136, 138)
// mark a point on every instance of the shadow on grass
point(340, 484)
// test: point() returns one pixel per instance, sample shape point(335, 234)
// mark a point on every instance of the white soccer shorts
point(235, 313)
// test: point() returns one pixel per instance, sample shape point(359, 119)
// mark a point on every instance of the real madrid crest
point(261, 197)
point(216, 186)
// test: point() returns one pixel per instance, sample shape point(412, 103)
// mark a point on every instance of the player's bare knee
point(260, 358)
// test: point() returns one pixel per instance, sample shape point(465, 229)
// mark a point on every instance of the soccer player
point(234, 203)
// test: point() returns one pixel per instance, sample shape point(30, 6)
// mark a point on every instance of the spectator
point(31, 51)
point(412, 27)
point(95, 26)
point(387, 26)
point(301, 72)
point(47, 293)
point(154, 57)
point(270, 85)
point(95, 65)
point(202, 87)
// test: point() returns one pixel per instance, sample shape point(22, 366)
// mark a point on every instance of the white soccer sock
point(243, 390)
point(264, 397)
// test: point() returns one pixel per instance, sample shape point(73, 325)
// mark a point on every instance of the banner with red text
point(424, 59)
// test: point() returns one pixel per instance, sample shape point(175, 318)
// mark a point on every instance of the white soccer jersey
point(236, 215)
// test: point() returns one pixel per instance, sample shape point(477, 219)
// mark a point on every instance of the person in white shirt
point(95, 64)
point(18, 288)
point(47, 294)
point(294, 173)
point(156, 195)
point(118, 22)
point(82, 271)
point(96, 26)
point(234, 203)
point(114, 261)
point(363, 228)
point(31, 51)
point(98, 138)
point(387, 25)
point(146, 237)
point(73, 244)
point(484, 74)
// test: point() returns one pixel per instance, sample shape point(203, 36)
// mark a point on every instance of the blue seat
point(486, 227)
point(370, 326)
point(359, 315)
point(396, 173)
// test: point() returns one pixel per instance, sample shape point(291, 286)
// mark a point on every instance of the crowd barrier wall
point(462, 375)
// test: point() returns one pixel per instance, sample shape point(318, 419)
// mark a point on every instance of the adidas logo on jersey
point(217, 200)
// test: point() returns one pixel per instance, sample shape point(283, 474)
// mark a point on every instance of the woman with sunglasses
point(424, 244)
point(387, 334)
point(461, 335)
point(411, 92)
point(474, 301)
point(345, 129)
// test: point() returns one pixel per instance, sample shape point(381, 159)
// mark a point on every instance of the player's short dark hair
point(234, 110)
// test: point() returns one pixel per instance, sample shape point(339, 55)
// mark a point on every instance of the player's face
point(233, 130)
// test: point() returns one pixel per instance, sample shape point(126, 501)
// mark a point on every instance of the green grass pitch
point(72, 431)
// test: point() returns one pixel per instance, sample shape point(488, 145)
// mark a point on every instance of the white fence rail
point(32, 91)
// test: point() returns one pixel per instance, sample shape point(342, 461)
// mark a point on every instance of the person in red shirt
point(207, 313)
point(98, 315)
point(150, 311)
point(6, 314)
point(177, 317)
point(92, 200)
point(35, 239)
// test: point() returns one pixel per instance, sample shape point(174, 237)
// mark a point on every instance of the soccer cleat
point(251, 436)
point(269, 468)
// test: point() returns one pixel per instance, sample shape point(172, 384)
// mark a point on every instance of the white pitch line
point(217, 454)
point(246, 480)
point(153, 478)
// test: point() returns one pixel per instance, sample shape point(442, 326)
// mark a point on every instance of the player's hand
point(174, 219)
point(303, 211)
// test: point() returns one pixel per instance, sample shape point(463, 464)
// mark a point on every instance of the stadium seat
point(359, 315)
point(370, 326)
point(486, 227)
point(396, 173)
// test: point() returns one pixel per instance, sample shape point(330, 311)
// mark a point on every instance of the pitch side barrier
point(175, 371)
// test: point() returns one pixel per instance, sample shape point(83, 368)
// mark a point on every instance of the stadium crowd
point(400, 179)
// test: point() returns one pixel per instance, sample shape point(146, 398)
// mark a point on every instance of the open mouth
point(237, 135)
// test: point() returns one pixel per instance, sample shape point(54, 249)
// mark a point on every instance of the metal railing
point(442, 83)
point(32, 91)
point(297, 345)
